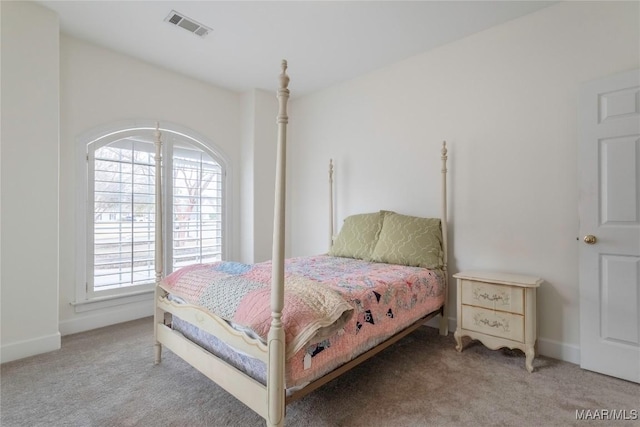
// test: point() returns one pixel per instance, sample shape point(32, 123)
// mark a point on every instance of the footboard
point(246, 389)
point(215, 326)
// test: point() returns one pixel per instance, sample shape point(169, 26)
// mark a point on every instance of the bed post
point(276, 337)
point(158, 317)
point(444, 320)
point(331, 213)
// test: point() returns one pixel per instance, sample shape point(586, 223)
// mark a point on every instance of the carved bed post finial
point(284, 78)
point(444, 154)
point(283, 96)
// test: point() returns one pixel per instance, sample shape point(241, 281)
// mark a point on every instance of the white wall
point(506, 100)
point(259, 138)
point(99, 87)
point(29, 192)
point(247, 159)
point(265, 172)
point(83, 87)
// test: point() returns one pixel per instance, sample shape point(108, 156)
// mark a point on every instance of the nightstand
point(498, 309)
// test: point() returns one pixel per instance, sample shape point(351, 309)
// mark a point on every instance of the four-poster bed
point(317, 317)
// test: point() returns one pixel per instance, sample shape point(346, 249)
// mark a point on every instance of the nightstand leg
point(530, 352)
point(458, 338)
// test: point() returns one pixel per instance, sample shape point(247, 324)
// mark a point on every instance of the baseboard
point(31, 347)
point(559, 350)
point(107, 317)
point(545, 347)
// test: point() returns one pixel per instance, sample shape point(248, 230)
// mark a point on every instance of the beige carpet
point(106, 377)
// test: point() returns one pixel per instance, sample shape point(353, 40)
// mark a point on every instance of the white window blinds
point(197, 208)
point(122, 207)
point(123, 212)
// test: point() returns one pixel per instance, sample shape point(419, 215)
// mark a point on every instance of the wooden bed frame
point(268, 401)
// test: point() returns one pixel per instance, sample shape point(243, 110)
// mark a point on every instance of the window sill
point(100, 302)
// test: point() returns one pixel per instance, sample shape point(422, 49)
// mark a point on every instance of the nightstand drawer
point(495, 323)
point(494, 297)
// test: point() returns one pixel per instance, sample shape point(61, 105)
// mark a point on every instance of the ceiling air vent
point(188, 24)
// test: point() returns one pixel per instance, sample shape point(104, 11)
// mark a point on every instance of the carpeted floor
point(107, 377)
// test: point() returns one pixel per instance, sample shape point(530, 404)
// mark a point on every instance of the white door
point(609, 164)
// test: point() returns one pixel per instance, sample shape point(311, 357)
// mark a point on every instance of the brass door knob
point(590, 239)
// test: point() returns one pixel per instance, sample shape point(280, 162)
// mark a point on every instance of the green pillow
point(358, 236)
point(409, 240)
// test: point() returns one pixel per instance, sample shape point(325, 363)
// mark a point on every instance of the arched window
point(120, 207)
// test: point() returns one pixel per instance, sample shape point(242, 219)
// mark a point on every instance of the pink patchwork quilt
point(335, 308)
point(241, 293)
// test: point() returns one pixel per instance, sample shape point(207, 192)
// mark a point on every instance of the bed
point(272, 332)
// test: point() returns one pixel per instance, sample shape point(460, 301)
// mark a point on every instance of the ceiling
point(325, 42)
